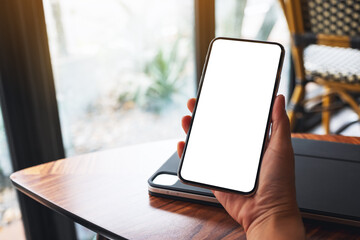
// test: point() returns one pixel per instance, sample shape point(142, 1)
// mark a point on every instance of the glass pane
point(123, 70)
point(10, 217)
point(255, 19)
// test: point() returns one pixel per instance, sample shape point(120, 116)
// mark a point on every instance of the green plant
point(164, 72)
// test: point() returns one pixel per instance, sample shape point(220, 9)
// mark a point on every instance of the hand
point(272, 212)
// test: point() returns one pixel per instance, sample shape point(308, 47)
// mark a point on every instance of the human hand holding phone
point(235, 70)
point(272, 212)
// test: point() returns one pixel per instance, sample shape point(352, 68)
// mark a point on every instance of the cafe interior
point(87, 81)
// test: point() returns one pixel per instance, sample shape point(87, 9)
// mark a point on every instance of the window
point(123, 70)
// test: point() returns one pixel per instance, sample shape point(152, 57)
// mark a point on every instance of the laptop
point(327, 181)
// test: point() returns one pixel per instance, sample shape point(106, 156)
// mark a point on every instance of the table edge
point(94, 227)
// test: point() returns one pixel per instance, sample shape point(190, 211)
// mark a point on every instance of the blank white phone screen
point(227, 134)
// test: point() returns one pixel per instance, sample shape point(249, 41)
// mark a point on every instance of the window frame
point(29, 108)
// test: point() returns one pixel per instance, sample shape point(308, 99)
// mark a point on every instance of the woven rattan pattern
point(332, 17)
point(333, 63)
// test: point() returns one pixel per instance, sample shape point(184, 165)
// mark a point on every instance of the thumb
point(280, 122)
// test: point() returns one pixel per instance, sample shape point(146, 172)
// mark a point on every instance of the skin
point(272, 212)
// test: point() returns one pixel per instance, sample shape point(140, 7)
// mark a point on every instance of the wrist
point(278, 224)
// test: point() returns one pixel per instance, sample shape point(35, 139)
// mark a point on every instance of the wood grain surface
point(330, 138)
point(107, 192)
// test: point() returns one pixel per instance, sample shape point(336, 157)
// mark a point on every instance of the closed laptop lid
point(327, 180)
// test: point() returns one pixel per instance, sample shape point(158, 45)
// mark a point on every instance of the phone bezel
point(266, 134)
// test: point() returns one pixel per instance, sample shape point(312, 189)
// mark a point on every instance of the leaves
point(164, 71)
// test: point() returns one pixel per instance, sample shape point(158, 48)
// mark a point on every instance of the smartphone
point(231, 119)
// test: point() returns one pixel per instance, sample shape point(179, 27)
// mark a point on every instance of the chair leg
point(295, 101)
point(326, 113)
point(353, 104)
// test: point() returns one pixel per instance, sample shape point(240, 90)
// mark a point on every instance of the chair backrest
point(325, 22)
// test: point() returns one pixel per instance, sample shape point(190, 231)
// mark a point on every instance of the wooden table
point(107, 193)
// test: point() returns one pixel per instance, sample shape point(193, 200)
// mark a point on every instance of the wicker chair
point(325, 42)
